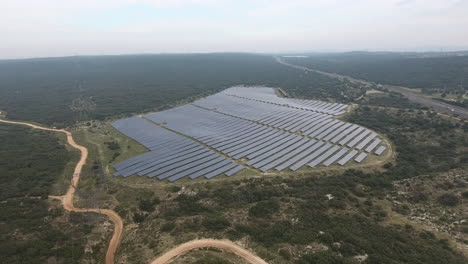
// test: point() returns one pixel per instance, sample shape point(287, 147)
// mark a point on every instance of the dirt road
point(67, 199)
point(415, 97)
point(205, 243)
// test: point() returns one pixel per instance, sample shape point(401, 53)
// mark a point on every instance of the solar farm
point(242, 127)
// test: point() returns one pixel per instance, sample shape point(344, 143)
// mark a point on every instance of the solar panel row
point(348, 156)
point(380, 150)
point(360, 157)
point(373, 145)
point(268, 95)
point(335, 157)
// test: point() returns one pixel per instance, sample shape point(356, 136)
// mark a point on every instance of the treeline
point(31, 232)
point(426, 71)
point(60, 91)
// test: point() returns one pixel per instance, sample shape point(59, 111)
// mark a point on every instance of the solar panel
point(299, 156)
point(329, 130)
point(322, 157)
point(216, 172)
point(373, 145)
point(318, 125)
point(164, 161)
point(248, 147)
point(266, 160)
point(350, 136)
point(160, 157)
point(380, 150)
point(172, 166)
point(234, 170)
point(348, 156)
point(199, 167)
point(366, 140)
point(344, 133)
point(323, 128)
point(187, 166)
point(287, 156)
point(209, 169)
point(308, 158)
point(335, 157)
point(359, 137)
point(259, 133)
point(335, 132)
point(274, 148)
point(360, 157)
point(267, 147)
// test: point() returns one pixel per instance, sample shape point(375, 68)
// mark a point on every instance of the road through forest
point(415, 97)
point(67, 201)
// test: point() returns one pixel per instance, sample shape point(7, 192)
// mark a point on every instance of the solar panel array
point(249, 125)
point(172, 156)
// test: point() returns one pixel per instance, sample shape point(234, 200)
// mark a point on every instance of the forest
point(61, 91)
point(31, 231)
point(430, 72)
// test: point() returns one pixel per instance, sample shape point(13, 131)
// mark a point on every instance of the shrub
point(448, 199)
point(168, 227)
point(216, 223)
point(264, 208)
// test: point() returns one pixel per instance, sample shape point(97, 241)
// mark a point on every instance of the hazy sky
point(39, 28)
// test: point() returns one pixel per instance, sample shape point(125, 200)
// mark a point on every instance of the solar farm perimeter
point(239, 127)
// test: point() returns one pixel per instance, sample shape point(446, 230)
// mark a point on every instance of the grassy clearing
point(448, 96)
point(111, 146)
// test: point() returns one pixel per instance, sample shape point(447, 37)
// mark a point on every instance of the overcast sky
point(42, 28)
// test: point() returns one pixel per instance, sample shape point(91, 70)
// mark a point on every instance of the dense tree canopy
point(61, 91)
point(31, 231)
point(428, 71)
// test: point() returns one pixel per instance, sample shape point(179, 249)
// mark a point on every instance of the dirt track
point(67, 199)
point(205, 243)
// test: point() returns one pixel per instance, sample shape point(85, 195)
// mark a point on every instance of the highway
point(418, 98)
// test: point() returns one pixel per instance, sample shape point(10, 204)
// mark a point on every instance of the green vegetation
point(31, 231)
point(391, 100)
point(84, 88)
point(431, 72)
point(30, 163)
point(211, 259)
point(448, 199)
point(424, 142)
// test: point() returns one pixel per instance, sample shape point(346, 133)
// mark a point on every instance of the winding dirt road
point(67, 201)
point(205, 243)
